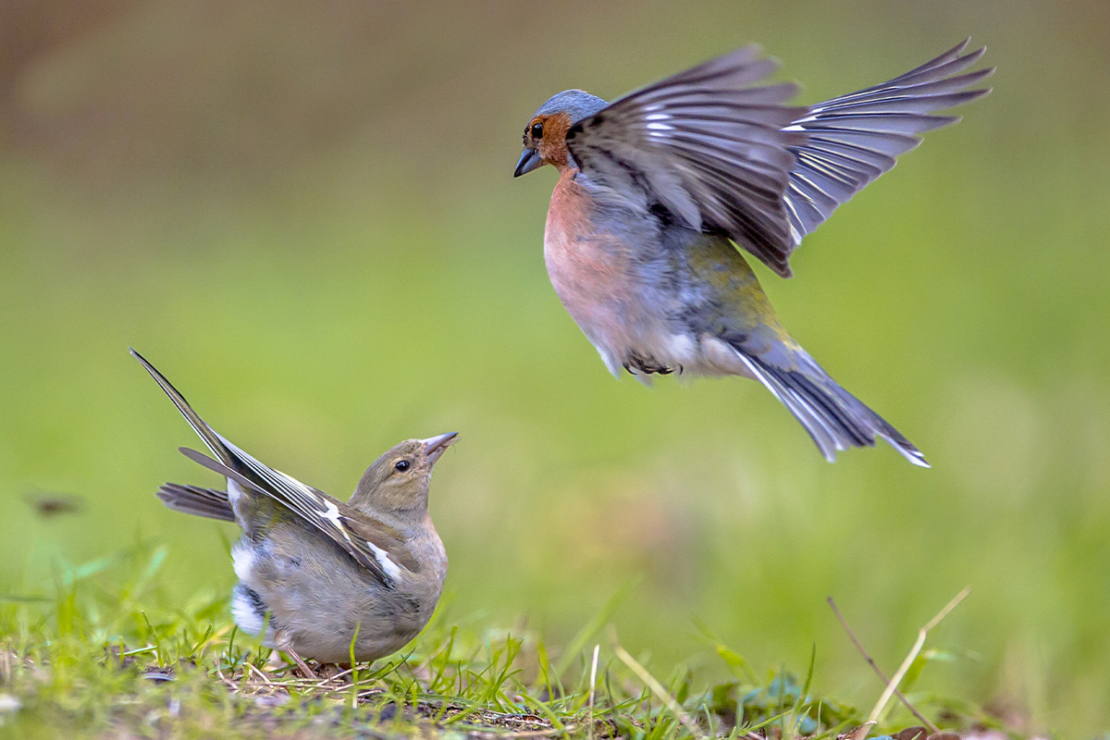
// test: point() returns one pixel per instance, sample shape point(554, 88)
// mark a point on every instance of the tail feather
point(834, 418)
point(211, 439)
point(197, 501)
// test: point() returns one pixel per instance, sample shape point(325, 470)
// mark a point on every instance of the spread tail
point(197, 501)
point(834, 418)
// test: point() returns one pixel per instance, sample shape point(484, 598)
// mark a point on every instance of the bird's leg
point(308, 672)
point(283, 644)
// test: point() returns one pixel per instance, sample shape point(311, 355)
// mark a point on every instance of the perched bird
point(314, 572)
point(658, 188)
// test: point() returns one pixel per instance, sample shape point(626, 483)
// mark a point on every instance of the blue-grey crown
point(577, 103)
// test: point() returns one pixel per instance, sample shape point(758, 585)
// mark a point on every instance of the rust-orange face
point(544, 143)
point(545, 136)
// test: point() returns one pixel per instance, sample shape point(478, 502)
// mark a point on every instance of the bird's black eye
point(537, 130)
point(401, 466)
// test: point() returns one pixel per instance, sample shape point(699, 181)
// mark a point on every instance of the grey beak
point(530, 159)
point(434, 447)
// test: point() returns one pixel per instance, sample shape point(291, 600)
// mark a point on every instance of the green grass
point(102, 653)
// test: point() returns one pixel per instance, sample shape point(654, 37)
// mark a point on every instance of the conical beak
point(434, 447)
point(530, 159)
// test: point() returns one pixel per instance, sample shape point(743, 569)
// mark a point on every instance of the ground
point(104, 659)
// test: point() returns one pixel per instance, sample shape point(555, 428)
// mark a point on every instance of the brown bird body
point(319, 577)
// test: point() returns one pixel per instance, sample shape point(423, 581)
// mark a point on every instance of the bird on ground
point(318, 577)
point(657, 190)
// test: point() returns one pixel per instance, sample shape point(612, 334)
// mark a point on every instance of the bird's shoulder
point(581, 190)
point(381, 535)
point(351, 529)
point(584, 206)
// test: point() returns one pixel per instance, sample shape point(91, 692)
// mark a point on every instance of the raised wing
point(851, 140)
point(344, 526)
point(706, 144)
point(329, 515)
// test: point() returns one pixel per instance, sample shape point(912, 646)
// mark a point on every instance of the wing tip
point(145, 363)
point(974, 55)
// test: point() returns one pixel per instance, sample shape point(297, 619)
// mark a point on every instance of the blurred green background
point(304, 215)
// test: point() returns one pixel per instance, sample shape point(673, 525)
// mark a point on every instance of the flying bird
point(659, 188)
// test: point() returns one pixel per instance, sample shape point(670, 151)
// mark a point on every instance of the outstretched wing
point(328, 515)
point(708, 145)
point(851, 140)
point(726, 156)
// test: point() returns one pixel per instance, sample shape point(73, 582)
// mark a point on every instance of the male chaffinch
point(656, 187)
point(314, 571)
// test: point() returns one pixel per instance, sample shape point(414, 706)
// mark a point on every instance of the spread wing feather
point(850, 140)
point(728, 156)
point(707, 145)
point(328, 515)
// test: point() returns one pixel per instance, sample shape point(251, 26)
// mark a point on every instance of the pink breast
point(588, 267)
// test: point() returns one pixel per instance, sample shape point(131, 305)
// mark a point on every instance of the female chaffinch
point(315, 573)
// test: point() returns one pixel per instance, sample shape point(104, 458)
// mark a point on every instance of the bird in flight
point(658, 189)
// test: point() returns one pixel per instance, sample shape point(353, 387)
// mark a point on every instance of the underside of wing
point(850, 140)
point(708, 144)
